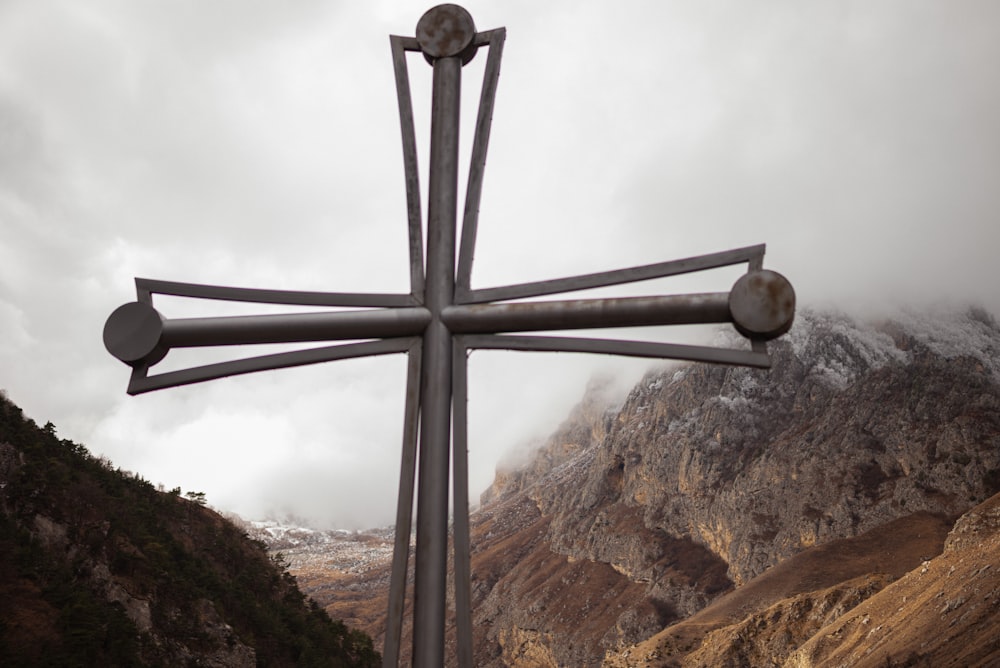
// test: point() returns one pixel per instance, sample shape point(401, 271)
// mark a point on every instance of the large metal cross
point(439, 321)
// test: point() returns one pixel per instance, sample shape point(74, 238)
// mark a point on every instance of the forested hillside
point(99, 568)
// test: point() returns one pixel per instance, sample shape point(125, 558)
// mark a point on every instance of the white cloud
point(256, 144)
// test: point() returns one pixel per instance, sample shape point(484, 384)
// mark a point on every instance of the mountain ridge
point(632, 518)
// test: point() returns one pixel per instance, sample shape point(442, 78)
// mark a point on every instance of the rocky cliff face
point(708, 476)
point(585, 427)
point(714, 493)
point(942, 613)
point(853, 427)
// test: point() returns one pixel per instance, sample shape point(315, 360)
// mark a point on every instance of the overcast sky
point(256, 144)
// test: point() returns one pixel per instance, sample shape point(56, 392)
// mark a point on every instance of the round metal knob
point(762, 304)
point(133, 333)
point(445, 31)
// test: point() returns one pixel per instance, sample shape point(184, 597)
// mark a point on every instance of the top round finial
point(762, 304)
point(445, 31)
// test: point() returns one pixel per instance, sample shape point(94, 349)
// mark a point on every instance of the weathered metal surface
point(136, 333)
point(440, 321)
point(141, 383)
point(295, 327)
point(446, 31)
point(494, 39)
point(588, 313)
point(431, 558)
point(460, 480)
point(649, 349)
point(404, 510)
point(399, 47)
point(753, 255)
point(146, 287)
point(762, 304)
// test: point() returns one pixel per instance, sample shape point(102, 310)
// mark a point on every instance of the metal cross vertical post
point(439, 321)
point(443, 37)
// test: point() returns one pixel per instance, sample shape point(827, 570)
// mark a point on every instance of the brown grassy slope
point(358, 596)
point(769, 637)
point(893, 549)
point(944, 613)
point(557, 596)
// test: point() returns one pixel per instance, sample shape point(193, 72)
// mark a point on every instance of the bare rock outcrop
point(850, 429)
point(708, 476)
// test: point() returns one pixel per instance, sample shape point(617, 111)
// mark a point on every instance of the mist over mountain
point(719, 516)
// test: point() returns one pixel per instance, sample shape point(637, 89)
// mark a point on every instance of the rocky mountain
point(852, 602)
point(801, 516)
point(348, 571)
point(99, 568)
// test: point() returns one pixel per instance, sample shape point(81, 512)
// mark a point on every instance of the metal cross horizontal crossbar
point(760, 305)
point(440, 320)
point(138, 335)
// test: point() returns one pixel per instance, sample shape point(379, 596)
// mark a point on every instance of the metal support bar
point(460, 505)
point(477, 166)
point(399, 46)
point(147, 286)
point(568, 344)
point(404, 512)
point(140, 383)
point(430, 587)
point(294, 327)
point(750, 254)
point(588, 313)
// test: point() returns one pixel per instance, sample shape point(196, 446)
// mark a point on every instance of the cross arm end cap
point(133, 333)
point(762, 304)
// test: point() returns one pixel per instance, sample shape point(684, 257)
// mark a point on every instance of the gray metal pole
point(404, 512)
point(294, 327)
point(589, 313)
point(430, 586)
